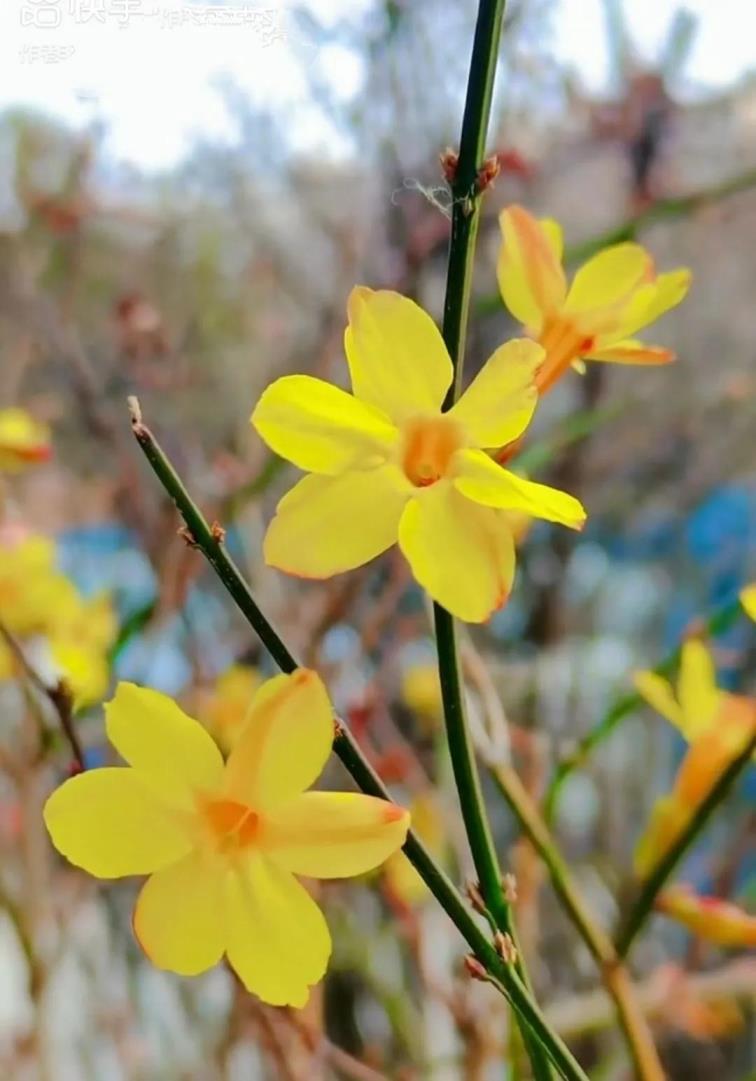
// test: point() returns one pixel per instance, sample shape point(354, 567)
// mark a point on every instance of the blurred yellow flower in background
point(420, 690)
point(224, 707)
point(39, 605)
point(23, 440)
point(711, 752)
point(748, 600)
point(718, 921)
point(693, 708)
point(223, 841)
point(401, 878)
point(612, 296)
point(386, 465)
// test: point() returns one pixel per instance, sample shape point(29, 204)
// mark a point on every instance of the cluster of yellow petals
point(68, 634)
point(717, 725)
point(611, 297)
point(222, 841)
point(387, 465)
point(711, 918)
point(23, 440)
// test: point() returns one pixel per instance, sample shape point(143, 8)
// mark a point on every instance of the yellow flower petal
point(711, 918)
point(654, 299)
point(277, 939)
point(320, 427)
point(109, 822)
point(669, 818)
point(462, 554)
point(327, 525)
point(334, 834)
point(529, 269)
point(85, 671)
point(659, 695)
point(178, 917)
point(498, 405)
point(285, 743)
point(482, 479)
point(554, 234)
point(172, 753)
point(748, 600)
point(396, 355)
point(631, 351)
point(606, 282)
point(697, 689)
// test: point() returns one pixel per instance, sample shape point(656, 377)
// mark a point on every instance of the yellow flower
point(711, 918)
point(32, 590)
point(698, 700)
point(421, 690)
point(402, 879)
point(712, 749)
point(611, 297)
point(23, 441)
point(222, 842)
point(748, 600)
point(224, 707)
point(386, 464)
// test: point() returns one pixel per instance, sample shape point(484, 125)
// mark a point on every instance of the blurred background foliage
point(193, 287)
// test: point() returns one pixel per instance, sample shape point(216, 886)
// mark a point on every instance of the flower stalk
point(467, 191)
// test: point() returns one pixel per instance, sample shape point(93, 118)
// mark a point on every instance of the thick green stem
point(660, 875)
point(467, 190)
point(717, 624)
point(209, 541)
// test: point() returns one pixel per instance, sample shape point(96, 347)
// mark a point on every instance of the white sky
point(152, 81)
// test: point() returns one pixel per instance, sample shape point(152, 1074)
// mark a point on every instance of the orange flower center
point(563, 342)
point(232, 825)
point(429, 445)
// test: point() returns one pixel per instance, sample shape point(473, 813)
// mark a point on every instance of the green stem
point(659, 876)
point(466, 204)
point(719, 622)
point(209, 541)
point(616, 980)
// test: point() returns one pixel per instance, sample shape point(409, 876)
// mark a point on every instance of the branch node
point(187, 536)
point(505, 948)
point(217, 532)
point(475, 970)
point(509, 886)
point(487, 174)
point(449, 162)
point(475, 897)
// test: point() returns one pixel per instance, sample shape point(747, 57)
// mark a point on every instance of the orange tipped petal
point(711, 918)
point(530, 273)
point(335, 834)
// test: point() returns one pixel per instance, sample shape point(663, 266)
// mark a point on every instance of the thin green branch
point(660, 875)
point(209, 540)
point(467, 190)
point(661, 210)
point(719, 622)
point(618, 985)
